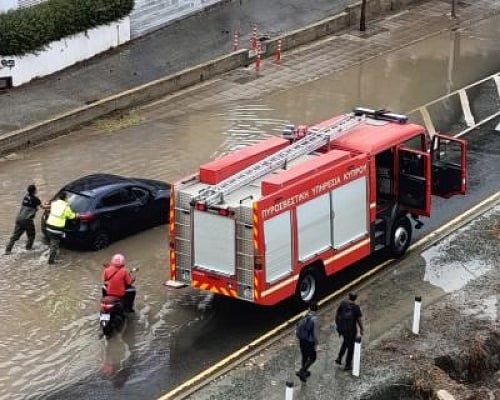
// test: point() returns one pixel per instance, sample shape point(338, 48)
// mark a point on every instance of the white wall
point(6, 5)
point(66, 52)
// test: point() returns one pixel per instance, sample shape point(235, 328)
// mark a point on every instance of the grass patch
point(119, 121)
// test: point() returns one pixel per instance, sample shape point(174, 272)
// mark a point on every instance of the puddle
point(464, 256)
point(453, 276)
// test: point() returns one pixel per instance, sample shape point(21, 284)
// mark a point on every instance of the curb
point(30, 135)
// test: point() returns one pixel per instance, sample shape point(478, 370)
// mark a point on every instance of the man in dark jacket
point(307, 333)
point(348, 319)
point(24, 220)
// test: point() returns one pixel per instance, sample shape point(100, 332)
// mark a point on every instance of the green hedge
point(29, 30)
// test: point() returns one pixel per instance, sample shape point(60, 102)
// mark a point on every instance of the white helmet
point(118, 260)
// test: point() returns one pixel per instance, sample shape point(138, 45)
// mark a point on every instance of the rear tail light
point(87, 217)
point(201, 207)
point(225, 212)
point(106, 307)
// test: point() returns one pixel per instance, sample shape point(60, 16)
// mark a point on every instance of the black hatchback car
point(112, 207)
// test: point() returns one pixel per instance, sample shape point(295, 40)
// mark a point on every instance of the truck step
point(379, 221)
point(379, 246)
point(175, 284)
point(379, 233)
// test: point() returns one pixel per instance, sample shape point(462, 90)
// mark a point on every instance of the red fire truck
point(274, 219)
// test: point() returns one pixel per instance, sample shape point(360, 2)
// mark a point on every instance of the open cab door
point(414, 180)
point(449, 165)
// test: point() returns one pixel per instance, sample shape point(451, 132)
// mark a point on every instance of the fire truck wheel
point(309, 285)
point(400, 236)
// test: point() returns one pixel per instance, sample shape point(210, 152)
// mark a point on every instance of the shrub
point(29, 30)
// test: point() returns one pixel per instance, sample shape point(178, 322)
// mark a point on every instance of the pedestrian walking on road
point(348, 319)
point(25, 219)
point(60, 212)
point(307, 333)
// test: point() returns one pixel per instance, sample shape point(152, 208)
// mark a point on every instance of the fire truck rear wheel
point(309, 285)
point(400, 236)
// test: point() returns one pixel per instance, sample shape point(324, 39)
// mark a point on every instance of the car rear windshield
point(78, 202)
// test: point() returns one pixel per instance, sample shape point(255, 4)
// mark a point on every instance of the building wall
point(65, 52)
point(149, 15)
point(6, 5)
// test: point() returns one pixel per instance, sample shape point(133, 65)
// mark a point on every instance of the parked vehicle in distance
point(112, 207)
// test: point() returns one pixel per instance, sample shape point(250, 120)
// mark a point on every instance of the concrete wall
point(66, 52)
point(30, 135)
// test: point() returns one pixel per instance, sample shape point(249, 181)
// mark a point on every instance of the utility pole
point(362, 18)
point(453, 8)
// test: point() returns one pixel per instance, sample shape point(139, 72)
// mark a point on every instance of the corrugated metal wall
point(150, 15)
point(28, 3)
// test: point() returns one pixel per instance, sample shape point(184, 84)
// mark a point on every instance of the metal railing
point(462, 110)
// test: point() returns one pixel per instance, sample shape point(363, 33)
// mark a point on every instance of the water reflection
point(119, 355)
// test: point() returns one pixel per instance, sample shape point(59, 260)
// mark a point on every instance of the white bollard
point(357, 357)
point(289, 390)
point(416, 315)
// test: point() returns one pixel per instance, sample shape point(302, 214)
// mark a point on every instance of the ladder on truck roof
point(314, 140)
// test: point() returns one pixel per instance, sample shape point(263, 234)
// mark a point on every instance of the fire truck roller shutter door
point(349, 204)
point(214, 242)
point(278, 240)
point(314, 227)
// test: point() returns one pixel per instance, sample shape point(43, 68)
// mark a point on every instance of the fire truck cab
point(274, 219)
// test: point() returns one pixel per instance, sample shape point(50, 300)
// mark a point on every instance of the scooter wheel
point(107, 331)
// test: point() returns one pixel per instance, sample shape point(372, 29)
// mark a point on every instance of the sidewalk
point(454, 317)
point(184, 44)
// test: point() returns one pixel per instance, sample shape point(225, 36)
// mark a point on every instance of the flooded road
point(49, 334)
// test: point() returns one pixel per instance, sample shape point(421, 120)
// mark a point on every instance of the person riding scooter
point(118, 282)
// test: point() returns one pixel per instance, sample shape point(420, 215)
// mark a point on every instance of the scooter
point(112, 315)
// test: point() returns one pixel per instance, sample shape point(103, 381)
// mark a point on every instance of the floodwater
point(49, 337)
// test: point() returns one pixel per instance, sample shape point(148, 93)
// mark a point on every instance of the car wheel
point(400, 236)
point(100, 241)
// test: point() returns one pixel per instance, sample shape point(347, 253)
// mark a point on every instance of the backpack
point(346, 319)
point(305, 328)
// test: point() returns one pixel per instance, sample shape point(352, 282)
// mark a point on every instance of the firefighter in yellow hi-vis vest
point(60, 211)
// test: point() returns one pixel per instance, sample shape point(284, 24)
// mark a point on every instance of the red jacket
point(117, 280)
